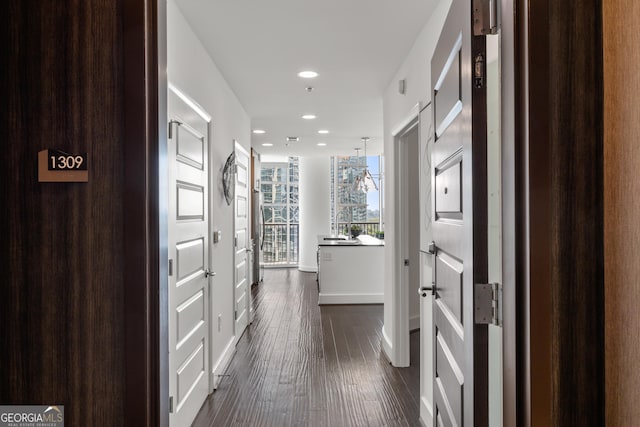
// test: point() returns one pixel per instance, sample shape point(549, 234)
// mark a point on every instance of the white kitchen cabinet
point(350, 272)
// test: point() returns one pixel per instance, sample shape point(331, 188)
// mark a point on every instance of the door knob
point(422, 290)
point(208, 273)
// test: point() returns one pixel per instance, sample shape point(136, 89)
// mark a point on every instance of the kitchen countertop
point(362, 240)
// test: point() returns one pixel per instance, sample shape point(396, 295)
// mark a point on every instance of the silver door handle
point(422, 290)
point(208, 273)
point(432, 248)
point(433, 251)
point(249, 250)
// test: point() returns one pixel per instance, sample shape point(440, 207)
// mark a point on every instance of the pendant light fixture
point(366, 180)
point(357, 180)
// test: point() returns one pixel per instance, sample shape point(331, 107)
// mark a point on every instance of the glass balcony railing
point(281, 244)
point(370, 228)
point(282, 241)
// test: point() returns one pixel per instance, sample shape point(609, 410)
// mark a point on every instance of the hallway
point(304, 365)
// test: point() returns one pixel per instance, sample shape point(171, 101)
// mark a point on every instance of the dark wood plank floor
point(299, 364)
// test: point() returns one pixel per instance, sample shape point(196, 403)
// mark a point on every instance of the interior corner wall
point(194, 72)
point(315, 209)
point(622, 211)
point(416, 70)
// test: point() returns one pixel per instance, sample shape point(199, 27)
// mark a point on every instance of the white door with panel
point(242, 293)
point(459, 226)
point(188, 260)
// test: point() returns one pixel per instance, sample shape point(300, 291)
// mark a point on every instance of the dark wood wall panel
point(61, 286)
point(577, 219)
point(566, 181)
point(622, 210)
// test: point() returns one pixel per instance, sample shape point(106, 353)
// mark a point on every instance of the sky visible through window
point(373, 165)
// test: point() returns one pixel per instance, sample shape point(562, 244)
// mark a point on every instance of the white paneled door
point(242, 293)
point(188, 260)
point(459, 226)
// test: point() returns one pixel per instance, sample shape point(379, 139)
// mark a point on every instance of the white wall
point(416, 70)
point(397, 109)
point(191, 70)
point(314, 205)
point(274, 158)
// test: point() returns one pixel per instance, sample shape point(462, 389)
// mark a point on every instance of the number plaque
point(59, 160)
point(58, 166)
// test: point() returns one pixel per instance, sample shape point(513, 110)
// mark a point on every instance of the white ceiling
point(355, 45)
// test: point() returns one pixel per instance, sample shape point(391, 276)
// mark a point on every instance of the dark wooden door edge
point(144, 245)
point(555, 212)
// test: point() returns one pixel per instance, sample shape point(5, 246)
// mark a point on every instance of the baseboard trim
point(223, 362)
point(350, 298)
point(308, 268)
point(426, 412)
point(387, 347)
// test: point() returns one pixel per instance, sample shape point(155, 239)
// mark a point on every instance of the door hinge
point(485, 17)
point(488, 304)
point(170, 267)
point(235, 241)
point(235, 315)
point(171, 404)
point(170, 128)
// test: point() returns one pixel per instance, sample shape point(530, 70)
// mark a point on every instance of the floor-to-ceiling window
point(353, 207)
point(279, 186)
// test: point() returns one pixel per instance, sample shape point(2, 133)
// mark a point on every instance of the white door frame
point(425, 139)
point(399, 298)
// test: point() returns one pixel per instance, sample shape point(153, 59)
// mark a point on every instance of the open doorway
point(408, 239)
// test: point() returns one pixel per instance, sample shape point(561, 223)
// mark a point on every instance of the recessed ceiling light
point(293, 139)
point(323, 131)
point(267, 144)
point(309, 116)
point(322, 144)
point(259, 131)
point(307, 74)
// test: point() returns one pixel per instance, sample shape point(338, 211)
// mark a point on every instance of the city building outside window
point(280, 192)
point(362, 211)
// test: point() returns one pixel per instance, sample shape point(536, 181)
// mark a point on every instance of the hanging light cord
point(367, 179)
